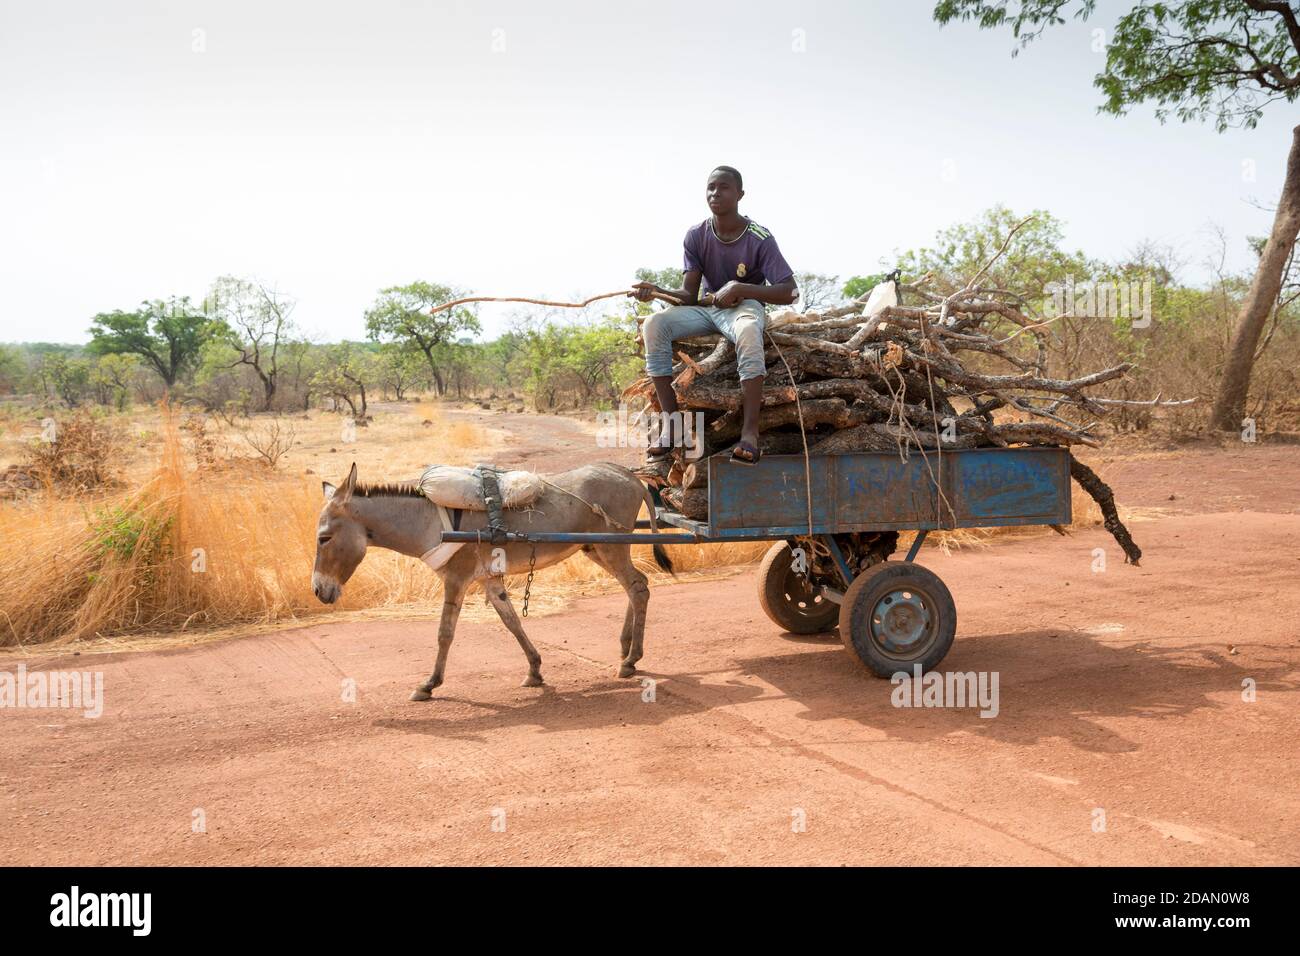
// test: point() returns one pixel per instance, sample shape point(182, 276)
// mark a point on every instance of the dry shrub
point(16, 481)
point(81, 456)
point(271, 441)
point(205, 444)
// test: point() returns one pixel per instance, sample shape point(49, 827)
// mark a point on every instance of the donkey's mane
point(390, 489)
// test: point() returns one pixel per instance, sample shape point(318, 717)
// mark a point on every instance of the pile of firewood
point(963, 370)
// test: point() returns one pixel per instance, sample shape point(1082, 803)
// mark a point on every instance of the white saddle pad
point(454, 487)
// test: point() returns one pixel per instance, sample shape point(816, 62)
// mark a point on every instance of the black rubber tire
point(785, 596)
point(860, 603)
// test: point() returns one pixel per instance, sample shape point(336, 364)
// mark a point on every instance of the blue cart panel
point(876, 491)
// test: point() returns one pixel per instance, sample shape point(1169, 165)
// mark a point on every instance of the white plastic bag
point(882, 297)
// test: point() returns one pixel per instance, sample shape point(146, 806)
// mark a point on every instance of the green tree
point(401, 314)
point(401, 368)
point(1034, 259)
point(590, 361)
point(599, 355)
point(1219, 60)
point(168, 335)
point(13, 370)
point(256, 323)
point(68, 377)
point(300, 358)
point(112, 378)
point(859, 286)
point(456, 360)
point(495, 361)
point(346, 371)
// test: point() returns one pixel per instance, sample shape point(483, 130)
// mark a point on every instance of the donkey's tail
point(649, 505)
point(660, 553)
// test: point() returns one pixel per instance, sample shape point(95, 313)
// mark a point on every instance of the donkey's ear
point(329, 490)
point(350, 483)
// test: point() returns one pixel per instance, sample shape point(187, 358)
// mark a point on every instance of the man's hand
point(644, 291)
point(730, 295)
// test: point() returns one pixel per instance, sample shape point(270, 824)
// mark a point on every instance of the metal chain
point(528, 585)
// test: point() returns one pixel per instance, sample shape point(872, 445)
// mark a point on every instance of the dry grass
point(457, 437)
point(199, 548)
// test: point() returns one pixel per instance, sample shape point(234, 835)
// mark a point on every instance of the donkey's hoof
point(533, 680)
point(421, 694)
point(627, 670)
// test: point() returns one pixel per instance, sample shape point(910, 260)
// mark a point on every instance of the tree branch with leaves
point(1198, 60)
point(401, 314)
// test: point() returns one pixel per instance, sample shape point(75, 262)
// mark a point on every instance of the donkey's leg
point(629, 619)
point(617, 559)
point(499, 599)
point(453, 595)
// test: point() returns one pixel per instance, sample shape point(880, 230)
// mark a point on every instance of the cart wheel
point(895, 615)
point(789, 598)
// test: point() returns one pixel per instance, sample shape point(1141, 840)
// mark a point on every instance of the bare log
point(825, 411)
point(1105, 498)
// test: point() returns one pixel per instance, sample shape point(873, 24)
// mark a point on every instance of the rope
point(934, 412)
point(803, 434)
point(595, 509)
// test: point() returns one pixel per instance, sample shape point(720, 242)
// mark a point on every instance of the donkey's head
point(340, 540)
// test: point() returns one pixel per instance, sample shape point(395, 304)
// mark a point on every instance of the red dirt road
point(1119, 696)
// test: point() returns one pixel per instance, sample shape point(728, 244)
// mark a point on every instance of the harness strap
point(488, 477)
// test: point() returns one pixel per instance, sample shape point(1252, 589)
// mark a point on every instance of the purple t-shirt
point(753, 258)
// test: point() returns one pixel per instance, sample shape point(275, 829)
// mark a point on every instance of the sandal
point(745, 454)
point(657, 454)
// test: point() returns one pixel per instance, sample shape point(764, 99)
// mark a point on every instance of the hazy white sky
point(551, 149)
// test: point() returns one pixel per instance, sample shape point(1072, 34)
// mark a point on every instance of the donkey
point(400, 518)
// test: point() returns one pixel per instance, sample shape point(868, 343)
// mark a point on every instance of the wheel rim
point(903, 622)
point(802, 599)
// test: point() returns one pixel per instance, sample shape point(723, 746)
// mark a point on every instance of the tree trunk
point(1230, 403)
point(439, 388)
point(268, 387)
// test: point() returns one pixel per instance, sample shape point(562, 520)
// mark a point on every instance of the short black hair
point(733, 172)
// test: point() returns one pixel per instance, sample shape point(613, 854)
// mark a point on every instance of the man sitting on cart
point(741, 265)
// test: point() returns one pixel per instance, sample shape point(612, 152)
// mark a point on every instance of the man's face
point(722, 194)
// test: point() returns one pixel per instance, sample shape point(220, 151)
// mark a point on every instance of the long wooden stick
point(704, 300)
